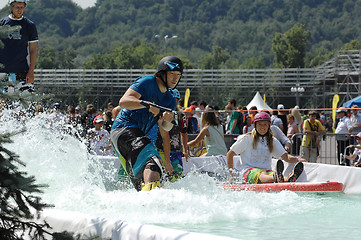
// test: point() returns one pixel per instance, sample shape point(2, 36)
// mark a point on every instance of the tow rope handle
point(161, 110)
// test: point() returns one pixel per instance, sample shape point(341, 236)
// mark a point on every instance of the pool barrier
point(89, 227)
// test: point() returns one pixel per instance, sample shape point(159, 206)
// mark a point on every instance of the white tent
point(259, 103)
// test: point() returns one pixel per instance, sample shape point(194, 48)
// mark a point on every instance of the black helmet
point(170, 63)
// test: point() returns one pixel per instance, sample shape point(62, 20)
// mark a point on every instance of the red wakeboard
point(289, 186)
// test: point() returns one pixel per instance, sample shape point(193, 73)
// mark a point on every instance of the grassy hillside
point(243, 28)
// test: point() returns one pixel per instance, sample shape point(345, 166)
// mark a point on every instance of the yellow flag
point(264, 101)
point(186, 97)
point(335, 100)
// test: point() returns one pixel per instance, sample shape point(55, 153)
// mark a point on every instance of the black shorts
point(134, 149)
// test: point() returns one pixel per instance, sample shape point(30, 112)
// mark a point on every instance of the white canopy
point(259, 103)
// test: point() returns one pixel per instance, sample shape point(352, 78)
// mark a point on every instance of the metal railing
point(327, 147)
point(210, 85)
point(319, 84)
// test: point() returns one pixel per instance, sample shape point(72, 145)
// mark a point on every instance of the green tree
point(290, 48)
point(244, 28)
point(46, 58)
point(321, 58)
point(253, 63)
point(16, 198)
point(53, 16)
point(352, 45)
point(17, 189)
point(97, 61)
point(214, 60)
point(50, 58)
point(135, 55)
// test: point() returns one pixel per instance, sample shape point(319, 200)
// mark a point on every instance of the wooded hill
point(241, 29)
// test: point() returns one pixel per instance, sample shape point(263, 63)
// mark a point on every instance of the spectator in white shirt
point(99, 139)
point(356, 122)
point(344, 129)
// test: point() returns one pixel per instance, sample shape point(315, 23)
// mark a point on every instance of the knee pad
point(150, 186)
point(154, 165)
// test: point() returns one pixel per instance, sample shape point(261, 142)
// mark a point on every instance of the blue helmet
point(176, 93)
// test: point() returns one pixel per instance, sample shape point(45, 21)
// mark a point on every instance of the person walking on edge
point(356, 123)
point(19, 53)
point(343, 132)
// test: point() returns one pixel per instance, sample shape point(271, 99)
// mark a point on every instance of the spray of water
point(76, 183)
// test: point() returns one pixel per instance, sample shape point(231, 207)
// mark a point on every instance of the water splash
point(193, 203)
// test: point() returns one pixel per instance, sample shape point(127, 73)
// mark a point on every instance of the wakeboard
point(287, 186)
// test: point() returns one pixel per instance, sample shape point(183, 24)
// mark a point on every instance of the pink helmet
point(262, 116)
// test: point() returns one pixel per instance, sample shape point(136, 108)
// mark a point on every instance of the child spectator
point(356, 155)
point(192, 123)
point(249, 125)
point(99, 139)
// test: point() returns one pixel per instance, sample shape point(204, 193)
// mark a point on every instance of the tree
point(253, 63)
point(50, 58)
point(16, 198)
point(17, 188)
point(352, 45)
point(136, 55)
point(214, 60)
point(290, 48)
point(321, 58)
point(244, 28)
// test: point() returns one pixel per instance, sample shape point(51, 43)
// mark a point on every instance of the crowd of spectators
point(299, 131)
point(92, 125)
